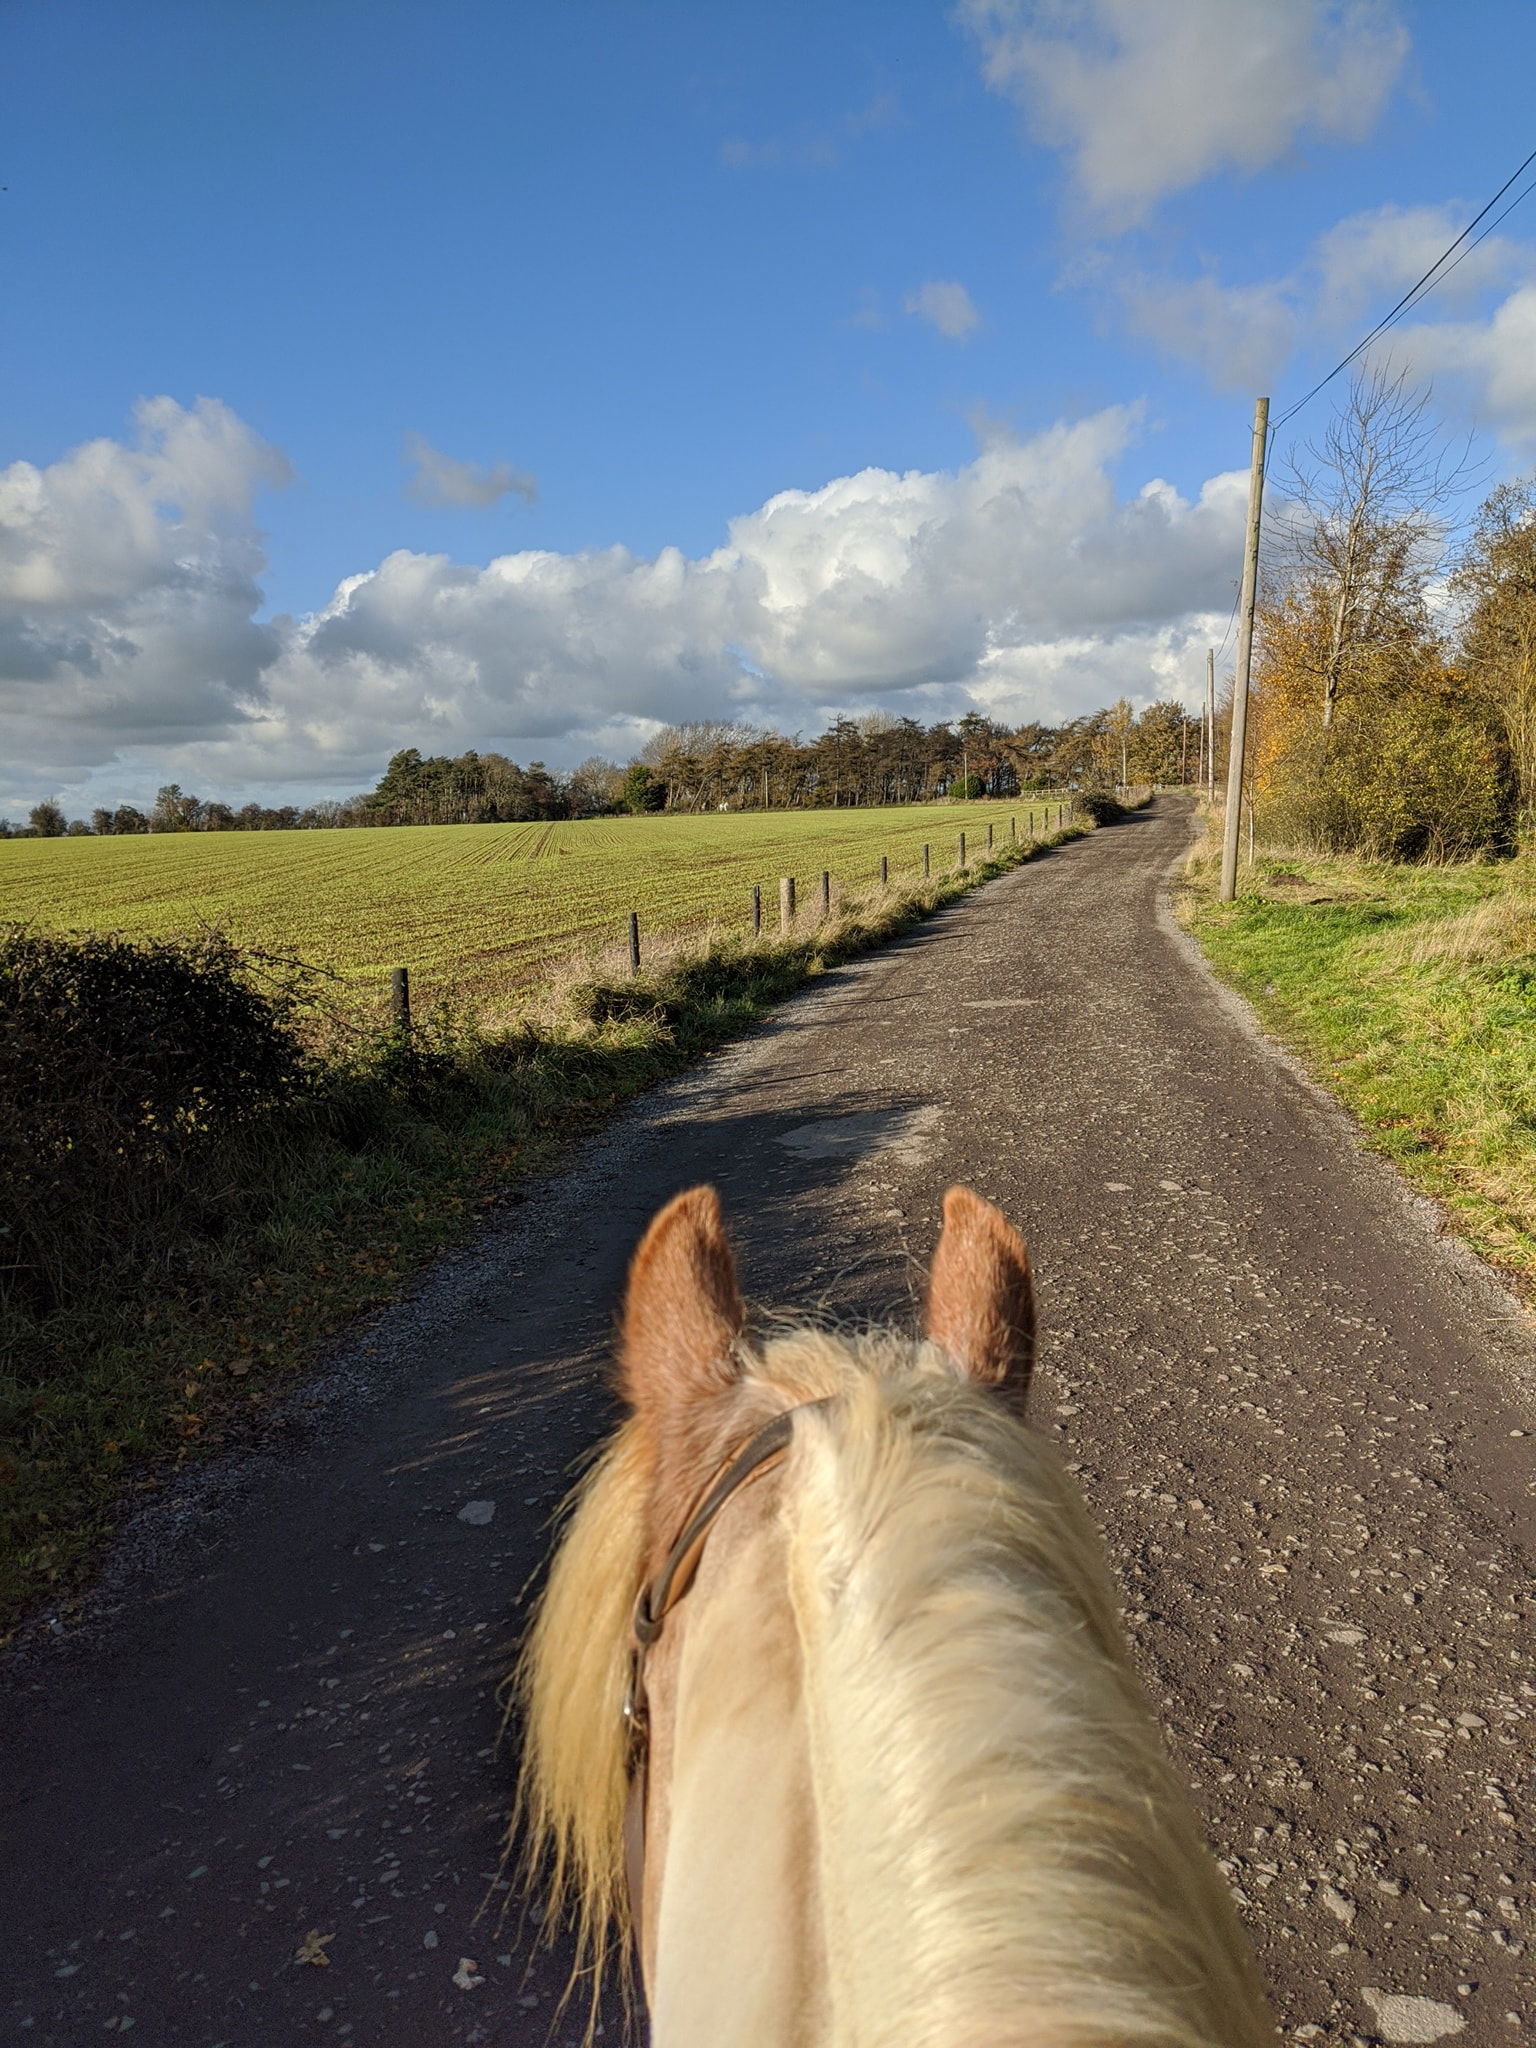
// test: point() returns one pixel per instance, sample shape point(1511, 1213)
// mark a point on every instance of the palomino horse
point(827, 1703)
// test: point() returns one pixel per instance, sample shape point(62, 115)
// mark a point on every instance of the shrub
point(1101, 807)
point(120, 1059)
point(1398, 778)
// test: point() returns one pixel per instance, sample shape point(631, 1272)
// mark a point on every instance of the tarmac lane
point(259, 1798)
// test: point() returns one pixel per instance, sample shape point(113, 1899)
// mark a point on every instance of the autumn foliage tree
point(1366, 738)
point(1495, 583)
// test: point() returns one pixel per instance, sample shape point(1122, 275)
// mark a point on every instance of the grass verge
point(1410, 991)
point(282, 1230)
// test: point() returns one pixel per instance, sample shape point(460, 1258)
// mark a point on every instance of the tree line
point(711, 766)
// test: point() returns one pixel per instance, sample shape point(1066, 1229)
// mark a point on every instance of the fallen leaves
point(312, 1949)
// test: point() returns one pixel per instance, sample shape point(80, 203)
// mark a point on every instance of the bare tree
point(1364, 529)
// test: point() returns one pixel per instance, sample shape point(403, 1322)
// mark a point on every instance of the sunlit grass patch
point(481, 913)
point(1412, 992)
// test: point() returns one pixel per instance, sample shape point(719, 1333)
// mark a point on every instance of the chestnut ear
point(682, 1311)
point(981, 1295)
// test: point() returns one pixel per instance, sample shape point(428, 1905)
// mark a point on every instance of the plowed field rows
point(476, 910)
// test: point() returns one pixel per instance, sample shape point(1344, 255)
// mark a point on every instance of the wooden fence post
point(885, 871)
point(962, 849)
point(1013, 831)
point(989, 839)
point(786, 902)
point(634, 942)
point(826, 895)
point(400, 998)
point(925, 864)
point(757, 910)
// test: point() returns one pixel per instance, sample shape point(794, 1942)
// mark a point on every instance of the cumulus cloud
point(1368, 260)
point(1023, 582)
point(1149, 99)
point(128, 589)
point(1242, 335)
point(1490, 365)
point(439, 480)
point(947, 306)
point(1237, 335)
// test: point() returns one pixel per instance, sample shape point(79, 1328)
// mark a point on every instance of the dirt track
point(1295, 1410)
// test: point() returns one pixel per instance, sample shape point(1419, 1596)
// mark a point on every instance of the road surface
point(1300, 1416)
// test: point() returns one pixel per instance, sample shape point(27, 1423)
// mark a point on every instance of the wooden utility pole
point(1232, 823)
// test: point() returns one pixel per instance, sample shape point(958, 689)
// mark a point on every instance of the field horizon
point(481, 912)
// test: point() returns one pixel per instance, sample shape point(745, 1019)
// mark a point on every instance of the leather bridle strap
point(658, 1599)
point(655, 1602)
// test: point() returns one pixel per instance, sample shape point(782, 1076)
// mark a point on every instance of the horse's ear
point(682, 1312)
point(981, 1296)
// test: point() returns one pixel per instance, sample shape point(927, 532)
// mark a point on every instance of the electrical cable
point(1424, 285)
point(1436, 274)
point(1237, 598)
point(1487, 231)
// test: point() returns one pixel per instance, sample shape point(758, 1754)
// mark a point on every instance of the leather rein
point(655, 1602)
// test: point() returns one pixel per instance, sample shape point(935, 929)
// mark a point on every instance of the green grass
point(1411, 992)
point(479, 912)
point(330, 1208)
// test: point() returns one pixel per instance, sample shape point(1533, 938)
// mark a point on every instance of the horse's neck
point(735, 1937)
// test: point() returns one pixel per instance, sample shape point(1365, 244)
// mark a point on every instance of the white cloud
point(1367, 261)
point(1150, 96)
point(947, 306)
point(440, 480)
point(1239, 336)
point(1243, 335)
point(1490, 365)
point(1022, 582)
point(128, 589)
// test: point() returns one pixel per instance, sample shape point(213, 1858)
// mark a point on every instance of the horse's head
point(696, 1389)
point(888, 1743)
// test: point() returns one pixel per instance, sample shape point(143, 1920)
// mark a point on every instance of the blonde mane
point(568, 1823)
point(1004, 1854)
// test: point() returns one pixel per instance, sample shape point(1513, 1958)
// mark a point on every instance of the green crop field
point(478, 911)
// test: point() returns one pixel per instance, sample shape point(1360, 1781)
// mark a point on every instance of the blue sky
point(509, 319)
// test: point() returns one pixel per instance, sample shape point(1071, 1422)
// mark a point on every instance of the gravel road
point(1302, 1417)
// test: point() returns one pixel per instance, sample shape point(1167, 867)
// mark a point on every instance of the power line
point(1424, 285)
point(1487, 231)
point(1231, 622)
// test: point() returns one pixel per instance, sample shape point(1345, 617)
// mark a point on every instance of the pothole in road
point(906, 1134)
